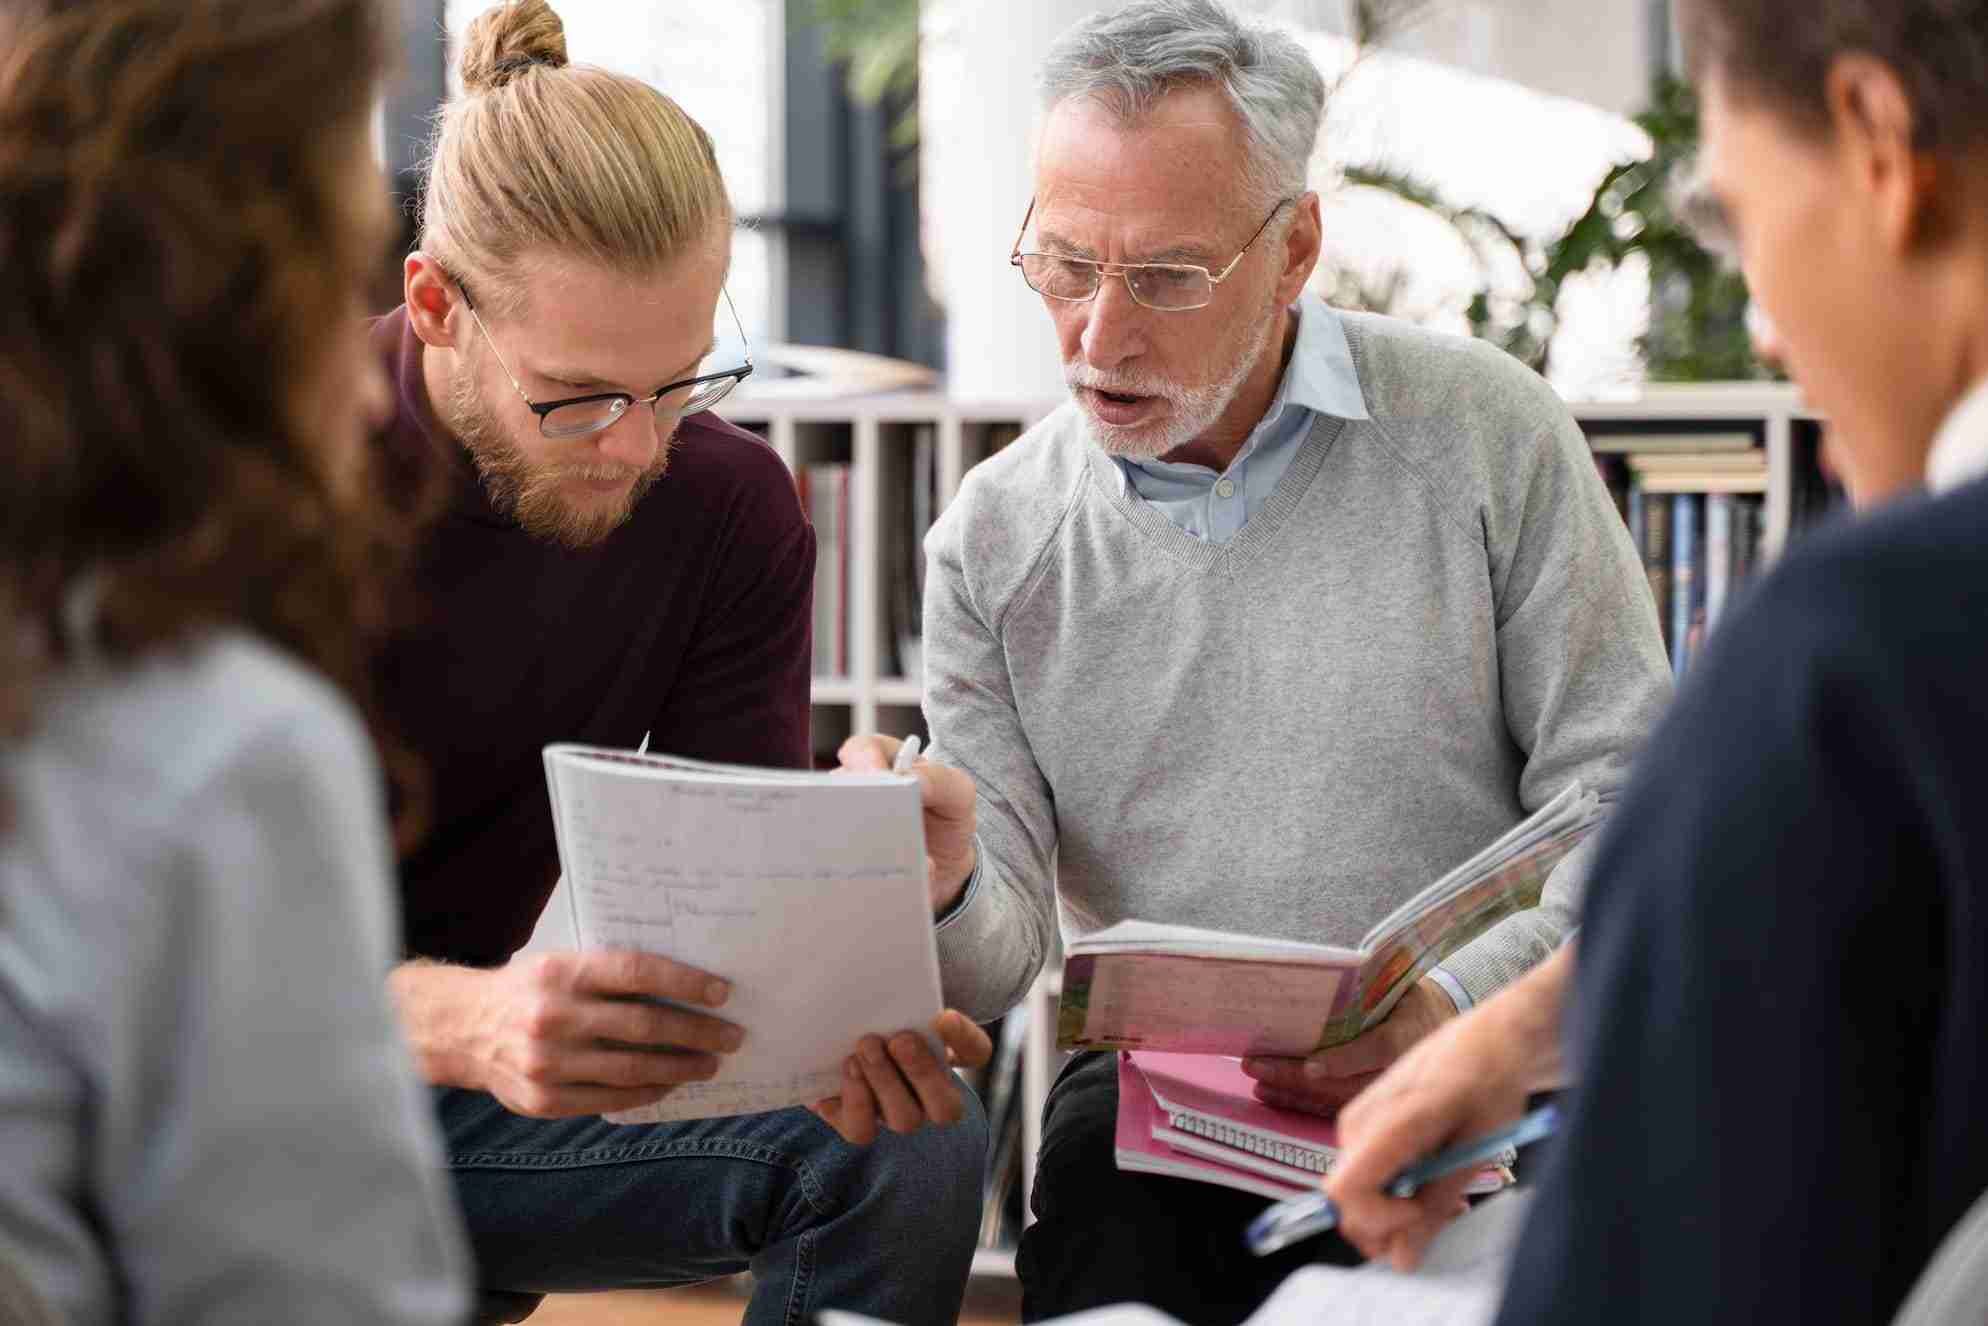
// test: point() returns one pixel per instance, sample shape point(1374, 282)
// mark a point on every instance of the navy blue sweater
point(1781, 1017)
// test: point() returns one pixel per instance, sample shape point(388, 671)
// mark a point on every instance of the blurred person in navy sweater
point(1777, 1010)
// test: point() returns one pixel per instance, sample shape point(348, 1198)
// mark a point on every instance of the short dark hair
point(1778, 52)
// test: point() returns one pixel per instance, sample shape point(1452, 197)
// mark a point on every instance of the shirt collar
point(1960, 450)
point(1319, 378)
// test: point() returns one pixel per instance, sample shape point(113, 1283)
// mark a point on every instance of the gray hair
point(1131, 57)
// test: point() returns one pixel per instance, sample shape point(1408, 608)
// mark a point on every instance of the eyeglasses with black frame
point(577, 416)
point(1169, 287)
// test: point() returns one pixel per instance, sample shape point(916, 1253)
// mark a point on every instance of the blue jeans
point(561, 1205)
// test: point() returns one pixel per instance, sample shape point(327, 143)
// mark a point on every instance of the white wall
point(1597, 51)
point(724, 66)
point(977, 111)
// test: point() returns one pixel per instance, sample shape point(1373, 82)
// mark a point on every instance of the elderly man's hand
point(899, 1081)
point(1327, 1080)
point(948, 797)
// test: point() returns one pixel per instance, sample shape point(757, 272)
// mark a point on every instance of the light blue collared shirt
point(1319, 380)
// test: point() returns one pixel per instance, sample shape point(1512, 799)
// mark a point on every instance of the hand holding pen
point(947, 796)
point(1298, 1218)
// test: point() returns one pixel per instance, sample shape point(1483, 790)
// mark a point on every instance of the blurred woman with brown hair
point(205, 1110)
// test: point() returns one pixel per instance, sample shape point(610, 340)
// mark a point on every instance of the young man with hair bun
point(615, 560)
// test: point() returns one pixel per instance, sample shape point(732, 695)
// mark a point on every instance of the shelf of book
point(894, 461)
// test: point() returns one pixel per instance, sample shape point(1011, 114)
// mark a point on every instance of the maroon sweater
point(690, 623)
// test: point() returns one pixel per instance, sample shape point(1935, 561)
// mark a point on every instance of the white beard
point(1192, 409)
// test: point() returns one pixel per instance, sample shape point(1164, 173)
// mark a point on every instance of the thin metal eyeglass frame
point(543, 411)
point(1104, 270)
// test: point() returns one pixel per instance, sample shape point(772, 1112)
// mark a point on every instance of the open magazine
point(1143, 986)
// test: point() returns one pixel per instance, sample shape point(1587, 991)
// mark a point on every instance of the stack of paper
point(806, 891)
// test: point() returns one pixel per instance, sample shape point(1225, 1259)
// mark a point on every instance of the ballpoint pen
point(1286, 1222)
point(906, 754)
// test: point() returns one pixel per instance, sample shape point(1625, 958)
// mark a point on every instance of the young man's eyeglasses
point(577, 416)
point(1171, 287)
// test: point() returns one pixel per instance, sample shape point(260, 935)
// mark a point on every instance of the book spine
point(1683, 576)
point(814, 492)
point(1656, 557)
point(1718, 555)
point(1695, 635)
point(1614, 477)
point(1281, 1150)
point(1746, 541)
point(924, 481)
point(846, 623)
point(1686, 579)
point(826, 489)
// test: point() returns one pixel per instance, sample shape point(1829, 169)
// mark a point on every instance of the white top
point(1960, 450)
point(206, 1110)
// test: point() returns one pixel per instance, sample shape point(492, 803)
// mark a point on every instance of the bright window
point(724, 65)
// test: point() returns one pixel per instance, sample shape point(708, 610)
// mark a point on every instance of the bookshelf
point(876, 436)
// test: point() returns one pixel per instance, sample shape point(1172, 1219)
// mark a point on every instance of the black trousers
point(1101, 1236)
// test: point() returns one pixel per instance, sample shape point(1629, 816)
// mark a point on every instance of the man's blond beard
point(529, 493)
point(1194, 408)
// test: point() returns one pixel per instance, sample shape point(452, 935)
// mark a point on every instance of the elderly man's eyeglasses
point(577, 416)
point(1171, 287)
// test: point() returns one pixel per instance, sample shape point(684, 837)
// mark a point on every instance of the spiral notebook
point(1146, 1145)
point(1197, 1109)
point(1208, 1099)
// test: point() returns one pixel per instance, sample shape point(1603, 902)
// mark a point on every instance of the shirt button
point(1225, 488)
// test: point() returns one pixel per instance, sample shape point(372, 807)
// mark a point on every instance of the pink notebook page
point(1138, 1150)
point(1211, 1084)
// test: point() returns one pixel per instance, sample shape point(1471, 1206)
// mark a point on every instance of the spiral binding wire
point(1270, 1148)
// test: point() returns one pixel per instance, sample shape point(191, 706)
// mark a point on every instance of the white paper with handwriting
point(806, 891)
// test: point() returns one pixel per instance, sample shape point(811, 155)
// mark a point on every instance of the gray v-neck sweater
point(1435, 623)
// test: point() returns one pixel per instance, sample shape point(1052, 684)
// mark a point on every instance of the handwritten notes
point(807, 892)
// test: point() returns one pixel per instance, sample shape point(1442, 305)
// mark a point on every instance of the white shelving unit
point(870, 432)
point(867, 430)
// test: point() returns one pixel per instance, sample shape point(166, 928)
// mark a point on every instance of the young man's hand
point(899, 1081)
point(558, 1034)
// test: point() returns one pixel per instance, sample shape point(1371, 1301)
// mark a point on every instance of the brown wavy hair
point(178, 236)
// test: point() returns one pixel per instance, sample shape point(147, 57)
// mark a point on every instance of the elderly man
point(1283, 615)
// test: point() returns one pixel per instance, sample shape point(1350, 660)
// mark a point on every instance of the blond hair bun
point(572, 160)
point(507, 39)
